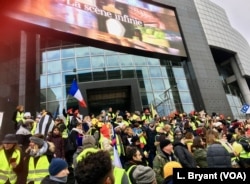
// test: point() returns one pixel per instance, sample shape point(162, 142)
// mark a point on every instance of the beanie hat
point(164, 143)
point(57, 165)
point(168, 168)
point(10, 139)
point(37, 140)
point(88, 141)
point(143, 174)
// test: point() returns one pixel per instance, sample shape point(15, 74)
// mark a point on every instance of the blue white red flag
point(75, 92)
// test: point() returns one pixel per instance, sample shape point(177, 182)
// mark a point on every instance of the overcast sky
point(238, 12)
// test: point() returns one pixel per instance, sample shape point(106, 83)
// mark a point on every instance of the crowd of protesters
point(142, 147)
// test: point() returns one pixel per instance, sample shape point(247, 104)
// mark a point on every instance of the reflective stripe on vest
point(85, 152)
point(38, 172)
point(6, 171)
point(128, 172)
point(244, 154)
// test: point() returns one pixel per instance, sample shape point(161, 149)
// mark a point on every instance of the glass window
point(82, 51)
point(125, 60)
point(43, 55)
point(139, 60)
point(68, 77)
point(157, 97)
point(145, 85)
point(55, 94)
point(68, 52)
point(230, 100)
point(154, 72)
point(96, 51)
point(139, 74)
point(182, 85)
point(179, 73)
point(109, 52)
point(158, 84)
point(43, 105)
point(167, 84)
point(188, 107)
point(43, 81)
point(68, 64)
point(52, 107)
point(54, 66)
point(144, 99)
point(101, 75)
point(142, 71)
point(54, 80)
point(148, 100)
point(83, 62)
point(164, 72)
point(43, 95)
point(44, 67)
point(97, 62)
point(114, 74)
point(53, 54)
point(112, 60)
point(153, 61)
point(128, 74)
point(85, 76)
point(185, 97)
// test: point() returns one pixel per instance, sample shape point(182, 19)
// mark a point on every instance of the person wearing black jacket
point(185, 157)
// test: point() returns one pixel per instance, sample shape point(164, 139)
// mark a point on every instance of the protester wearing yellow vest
point(10, 155)
point(37, 162)
point(18, 116)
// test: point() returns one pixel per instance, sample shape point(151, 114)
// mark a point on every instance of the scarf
point(59, 179)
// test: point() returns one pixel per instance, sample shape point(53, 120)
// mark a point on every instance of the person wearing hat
point(88, 145)
point(24, 133)
point(10, 154)
point(143, 175)
point(37, 159)
point(163, 156)
point(168, 171)
point(58, 172)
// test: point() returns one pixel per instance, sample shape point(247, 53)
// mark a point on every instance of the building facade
point(39, 64)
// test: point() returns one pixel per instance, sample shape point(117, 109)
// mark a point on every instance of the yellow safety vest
point(38, 172)
point(6, 170)
point(65, 133)
point(118, 174)
point(244, 154)
point(19, 116)
point(34, 128)
point(230, 150)
point(128, 173)
point(120, 146)
point(85, 152)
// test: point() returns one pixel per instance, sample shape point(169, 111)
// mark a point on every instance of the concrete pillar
point(240, 80)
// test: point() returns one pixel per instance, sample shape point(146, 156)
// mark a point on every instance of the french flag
point(75, 92)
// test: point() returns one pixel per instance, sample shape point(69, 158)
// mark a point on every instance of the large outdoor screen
point(127, 23)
